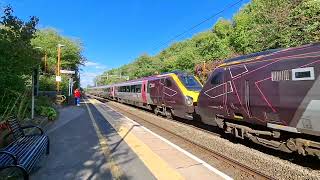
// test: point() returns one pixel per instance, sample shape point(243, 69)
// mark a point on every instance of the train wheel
point(169, 114)
point(156, 111)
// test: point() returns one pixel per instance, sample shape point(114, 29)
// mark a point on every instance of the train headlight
point(189, 100)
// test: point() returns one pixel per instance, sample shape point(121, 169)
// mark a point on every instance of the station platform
point(94, 141)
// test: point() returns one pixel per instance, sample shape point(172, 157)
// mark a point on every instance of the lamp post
point(58, 77)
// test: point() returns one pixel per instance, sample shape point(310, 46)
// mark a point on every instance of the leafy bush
point(43, 101)
point(47, 112)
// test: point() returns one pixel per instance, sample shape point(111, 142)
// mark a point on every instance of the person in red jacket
point(77, 95)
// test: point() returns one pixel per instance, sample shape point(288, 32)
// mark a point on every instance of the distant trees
point(258, 26)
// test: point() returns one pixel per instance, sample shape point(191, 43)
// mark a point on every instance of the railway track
point(143, 120)
point(194, 124)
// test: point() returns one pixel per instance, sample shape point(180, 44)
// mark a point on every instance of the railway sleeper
point(302, 146)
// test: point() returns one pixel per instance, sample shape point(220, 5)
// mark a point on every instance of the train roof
point(139, 80)
point(268, 53)
point(252, 55)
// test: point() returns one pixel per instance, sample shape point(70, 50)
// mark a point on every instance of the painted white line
point(216, 171)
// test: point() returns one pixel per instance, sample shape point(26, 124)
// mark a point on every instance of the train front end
point(190, 88)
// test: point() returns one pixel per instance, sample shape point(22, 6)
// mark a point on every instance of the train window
point(190, 82)
point(162, 81)
point(128, 88)
point(138, 88)
point(168, 83)
point(300, 74)
point(217, 79)
point(133, 89)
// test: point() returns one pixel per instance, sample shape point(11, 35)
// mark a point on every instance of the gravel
point(267, 164)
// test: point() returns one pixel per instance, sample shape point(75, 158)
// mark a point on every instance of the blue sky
point(115, 32)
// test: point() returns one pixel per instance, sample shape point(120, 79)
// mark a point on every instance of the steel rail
point(159, 116)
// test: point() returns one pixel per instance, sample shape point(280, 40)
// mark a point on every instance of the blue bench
point(25, 150)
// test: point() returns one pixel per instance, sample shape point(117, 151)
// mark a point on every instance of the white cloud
point(90, 63)
point(91, 70)
point(87, 78)
point(100, 67)
point(90, 74)
point(95, 65)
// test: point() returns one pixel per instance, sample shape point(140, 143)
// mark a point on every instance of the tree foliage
point(258, 26)
point(71, 56)
point(19, 57)
point(17, 60)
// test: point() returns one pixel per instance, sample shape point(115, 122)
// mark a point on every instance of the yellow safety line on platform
point(158, 167)
point(115, 170)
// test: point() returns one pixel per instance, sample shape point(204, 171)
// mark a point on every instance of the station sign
point(67, 72)
point(58, 78)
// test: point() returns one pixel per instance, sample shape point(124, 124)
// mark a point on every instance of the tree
point(18, 58)
point(71, 56)
point(303, 25)
point(258, 26)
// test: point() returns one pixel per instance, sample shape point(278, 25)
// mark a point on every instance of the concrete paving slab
point(175, 158)
point(76, 151)
point(73, 153)
point(122, 154)
point(198, 171)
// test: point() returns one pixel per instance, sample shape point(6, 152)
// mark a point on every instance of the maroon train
point(272, 98)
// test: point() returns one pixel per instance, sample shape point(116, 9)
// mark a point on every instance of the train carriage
point(272, 98)
point(169, 94)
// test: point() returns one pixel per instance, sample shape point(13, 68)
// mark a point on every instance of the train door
point(218, 92)
point(154, 91)
point(237, 101)
point(113, 92)
point(160, 91)
point(144, 91)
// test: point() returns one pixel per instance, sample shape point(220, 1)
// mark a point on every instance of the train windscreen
point(190, 82)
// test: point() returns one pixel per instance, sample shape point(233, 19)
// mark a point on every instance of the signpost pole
point(32, 97)
point(58, 68)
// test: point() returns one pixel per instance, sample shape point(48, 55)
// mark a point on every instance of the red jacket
point(77, 93)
